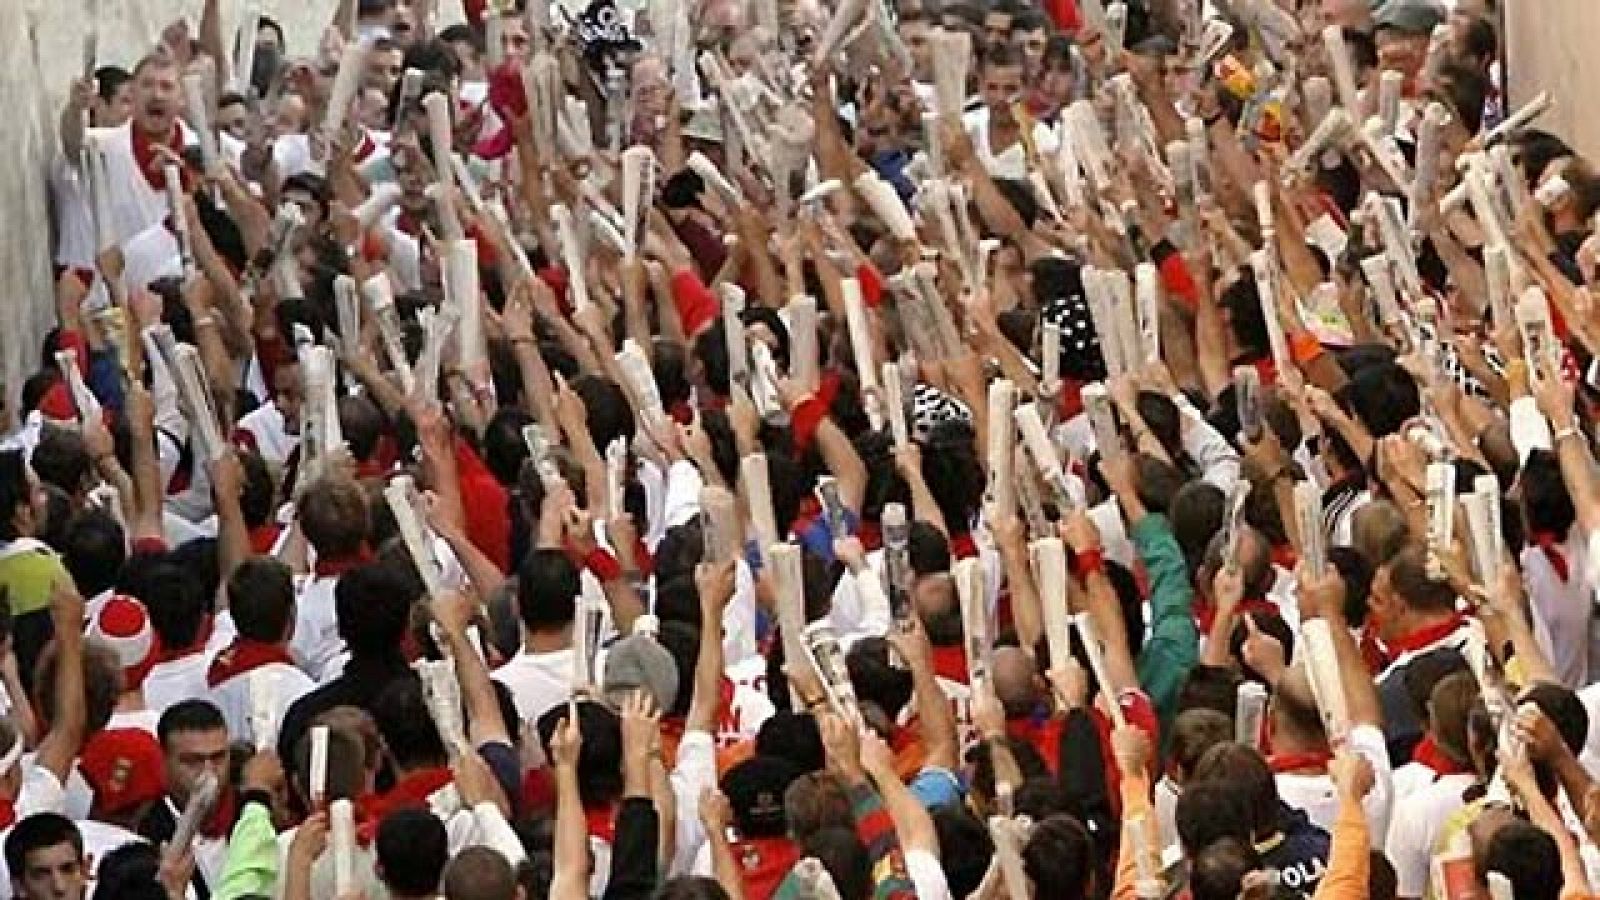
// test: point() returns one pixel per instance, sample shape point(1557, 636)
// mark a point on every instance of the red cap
point(125, 768)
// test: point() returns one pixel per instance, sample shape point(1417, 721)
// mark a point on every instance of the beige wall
point(41, 51)
point(1554, 45)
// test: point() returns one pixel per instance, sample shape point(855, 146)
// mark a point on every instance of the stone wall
point(1550, 45)
point(41, 46)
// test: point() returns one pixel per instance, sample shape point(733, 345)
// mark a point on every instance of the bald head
point(1014, 682)
point(479, 873)
point(1294, 711)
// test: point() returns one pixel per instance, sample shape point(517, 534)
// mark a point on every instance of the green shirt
point(1171, 647)
point(29, 576)
point(252, 867)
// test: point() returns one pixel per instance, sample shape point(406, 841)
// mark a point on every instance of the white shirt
point(316, 644)
point(283, 684)
point(538, 682)
point(1561, 609)
point(271, 433)
point(1012, 162)
point(175, 681)
point(1415, 827)
point(1317, 796)
point(135, 204)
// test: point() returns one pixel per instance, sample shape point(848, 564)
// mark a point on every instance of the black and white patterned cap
point(931, 406)
point(1080, 343)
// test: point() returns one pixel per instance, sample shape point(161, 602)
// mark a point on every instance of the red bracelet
point(604, 566)
point(1088, 562)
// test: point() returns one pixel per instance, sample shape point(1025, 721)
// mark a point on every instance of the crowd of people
point(779, 449)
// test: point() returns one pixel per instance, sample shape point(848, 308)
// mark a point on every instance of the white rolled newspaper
point(1441, 499)
point(1331, 132)
point(197, 110)
point(894, 404)
point(804, 351)
point(1089, 636)
point(541, 81)
point(1147, 290)
point(845, 18)
point(1049, 357)
point(1031, 423)
point(1264, 267)
point(1261, 198)
point(1102, 421)
point(1390, 82)
point(1425, 178)
point(1521, 119)
point(855, 310)
point(822, 648)
point(758, 497)
point(318, 777)
point(380, 301)
point(1438, 52)
point(244, 62)
point(347, 308)
point(719, 524)
point(1513, 185)
point(462, 288)
point(1247, 401)
point(572, 256)
point(342, 838)
point(100, 189)
point(1002, 444)
point(83, 399)
point(972, 590)
point(346, 82)
point(1322, 669)
point(641, 380)
point(1377, 271)
point(1539, 342)
point(1116, 28)
point(885, 203)
point(714, 179)
point(1308, 515)
point(1344, 70)
point(1049, 558)
point(616, 477)
point(202, 800)
point(1249, 710)
point(638, 193)
point(1497, 272)
point(411, 82)
point(401, 497)
point(733, 334)
point(1479, 182)
point(183, 364)
point(1093, 152)
point(384, 197)
point(442, 136)
point(1316, 97)
point(1385, 152)
point(173, 177)
point(788, 583)
point(952, 61)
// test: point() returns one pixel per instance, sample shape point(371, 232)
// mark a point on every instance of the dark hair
point(261, 599)
point(876, 678)
point(1249, 326)
point(1535, 150)
point(257, 500)
point(172, 595)
point(504, 450)
point(479, 873)
point(333, 517)
point(1527, 856)
point(412, 849)
point(1383, 396)
point(547, 589)
point(40, 831)
point(1465, 88)
point(94, 551)
point(965, 847)
point(814, 801)
point(372, 605)
point(954, 476)
point(109, 79)
point(1209, 811)
point(1196, 512)
point(1059, 857)
point(600, 759)
point(130, 871)
point(792, 736)
point(61, 458)
point(1212, 688)
point(14, 491)
point(686, 888)
point(1546, 503)
point(363, 425)
point(407, 727)
point(1217, 872)
point(1245, 771)
point(844, 856)
point(1564, 710)
point(1194, 732)
point(189, 717)
point(610, 416)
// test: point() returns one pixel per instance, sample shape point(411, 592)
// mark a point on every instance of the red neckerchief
point(244, 655)
point(1205, 611)
point(950, 663)
point(1430, 754)
point(1283, 763)
point(1283, 555)
point(264, 537)
point(160, 654)
point(412, 791)
point(1550, 544)
point(1372, 645)
point(962, 546)
point(8, 814)
point(602, 822)
point(1425, 637)
point(219, 824)
point(150, 165)
point(1042, 733)
point(764, 863)
point(335, 566)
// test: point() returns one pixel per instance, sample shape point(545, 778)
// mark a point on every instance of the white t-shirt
point(1415, 827)
point(316, 644)
point(1012, 162)
point(1561, 608)
point(283, 683)
point(173, 682)
point(538, 682)
point(1317, 796)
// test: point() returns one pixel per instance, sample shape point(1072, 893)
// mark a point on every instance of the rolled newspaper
point(804, 351)
point(83, 399)
point(346, 82)
point(973, 592)
point(1147, 286)
point(1438, 53)
point(733, 335)
point(1381, 279)
point(347, 308)
point(1385, 152)
point(401, 497)
point(173, 177)
point(1520, 120)
point(1322, 669)
point(572, 256)
point(1049, 357)
point(182, 363)
point(1390, 83)
point(342, 838)
point(442, 137)
point(886, 204)
point(719, 525)
point(1102, 421)
point(1539, 342)
point(244, 63)
point(1335, 128)
point(1425, 178)
point(1247, 401)
point(845, 18)
point(198, 112)
point(1049, 558)
point(1344, 70)
point(319, 766)
point(1497, 272)
point(1234, 525)
point(1441, 498)
point(1249, 711)
point(714, 179)
point(638, 194)
point(586, 628)
point(640, 380)
point(1089, 636)
point(410, 89)
point(380, 301)
point(616, 477)
point(788, 584)
point(202, 800)
point(753, 474)
point(894, 405)
point(1308, 515)
point(1002, 444)
point(952, 61)
point(1264, 266)
point(861, 343)
point(822, 648)
point(897, 572)
point(541, 81)
point(462, 288)
point(1116, 28)
point(384, 197)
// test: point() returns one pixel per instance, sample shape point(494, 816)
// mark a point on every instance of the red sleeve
point(1175, 275)
point(72, 339)
point(808, 414)
point(871, 285)
point(697, 306)
point(484, 500)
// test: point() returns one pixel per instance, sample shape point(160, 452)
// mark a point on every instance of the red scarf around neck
point(242, 656)
point(1424, 637)
point(153, 165)
point(1549, 543)
point(1430, 754)
point(409, 792)
point(333, 567)
point(1284, 763)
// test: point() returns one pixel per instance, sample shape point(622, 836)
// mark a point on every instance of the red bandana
point(1282, 763)
point(8, 815)
point(1550, 544)
point(244, 655)
point(333, 567)
point(602, 822)
point(1425, 637)
point(409, 792)
point(1430, 754)
point(950, 663)
point(151, 165)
